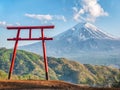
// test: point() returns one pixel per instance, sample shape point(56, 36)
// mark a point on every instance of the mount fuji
point(85, 43)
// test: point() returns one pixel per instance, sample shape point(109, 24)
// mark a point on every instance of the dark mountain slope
point(30, 66)
point(27, 64)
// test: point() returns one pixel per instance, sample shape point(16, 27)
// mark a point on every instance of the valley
point(30, 66)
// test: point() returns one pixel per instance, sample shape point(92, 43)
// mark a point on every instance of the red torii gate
point(18, 38)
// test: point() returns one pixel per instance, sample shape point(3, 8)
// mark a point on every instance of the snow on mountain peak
point(91, 26)
point(95, 31)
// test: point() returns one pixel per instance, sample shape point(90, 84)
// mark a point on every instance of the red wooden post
point(13, 56)
point(44, 54)
point(30, 31)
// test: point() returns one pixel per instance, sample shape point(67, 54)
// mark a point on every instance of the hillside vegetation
point(31, 66)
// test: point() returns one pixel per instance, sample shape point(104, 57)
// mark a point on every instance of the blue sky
point(64, 14)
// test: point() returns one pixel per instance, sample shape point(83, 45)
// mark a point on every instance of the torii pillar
point(18, 38)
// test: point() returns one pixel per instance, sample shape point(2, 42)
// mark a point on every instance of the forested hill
point(31, 66)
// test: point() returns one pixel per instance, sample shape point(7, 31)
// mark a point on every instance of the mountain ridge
point(31, 66)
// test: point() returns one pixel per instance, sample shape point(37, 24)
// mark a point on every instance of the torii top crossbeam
point(30, 28)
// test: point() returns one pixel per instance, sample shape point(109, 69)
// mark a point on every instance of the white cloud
point(90, 10)
point(75, 9)
point(59, 17)
point(17, 23)
point(47, 17)
point(39, 17)
point(3, 24)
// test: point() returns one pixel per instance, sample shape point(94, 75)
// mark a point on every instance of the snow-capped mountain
point(82, 37)
point(82, 41)
point(84, 31)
